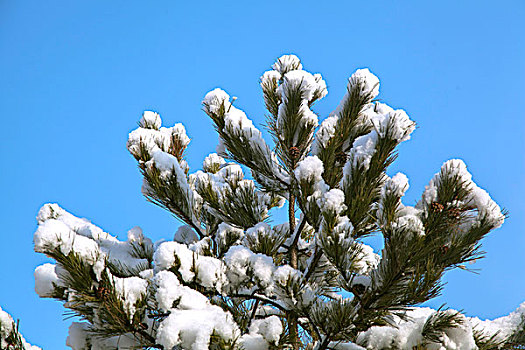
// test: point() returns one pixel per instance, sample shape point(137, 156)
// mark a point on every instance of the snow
point(286, 63)
point(77, 337)
point(453, 167)
point(407, 334)
point(185, 234)
point(325, 132)
point(379, 108)
point(504, 326)
point(215, 99)
point(253, 342)
point(238, 261)
point(369, 85)
point(46, 279)
point(344, 346)
point(170, 254)
point(332, 201)
point(150, 119)
point(237, 120)
point(192, 329)
point(407, 218)
point(307, 117)
point(170, 291)
point(208, 271)
point(487, 207)
point(309, 86)
point(59, 229)
point(309, 173)
point(130, 290)
point(478, 198)
point(368, 81)
point(201, 246)
point(393, 125)
point(410, 223)
point(284, 273)
point(287, 78)
point(270, 76)
point(388, 122)
point(81, 226)
point(179, 131)
point(267, 310)
point(397, 185)
point(166, 163)
point(57, 234)
point(212, 163)
point(380, 116)
point(220, 180)
point(270, 328)
point(301, 299)
point(367, 260)
point(149, 137)
point(303, 81)
point(170, 168)
point(237, 125)
point(146, 274)
point(7, 326)
point(245, 266)
point(230, 190)
point(230, 171)
point(254, 233)
point(402, 126)
point(225, 231)
point(155, 140)
point(310, 168)
point(263, 268)
point(135, 234)
point(361, 153)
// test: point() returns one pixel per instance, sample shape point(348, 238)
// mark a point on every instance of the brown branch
point(292, 319)
point(260, 298)
point(317, 256)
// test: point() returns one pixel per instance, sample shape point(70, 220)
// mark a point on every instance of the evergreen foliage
point(230, 280)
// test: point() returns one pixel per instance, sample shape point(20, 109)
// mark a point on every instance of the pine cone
point(102, 292)
point(454, 213)
point(437, 207)
point(294, 152)
point(341, 157)
point(358, 289)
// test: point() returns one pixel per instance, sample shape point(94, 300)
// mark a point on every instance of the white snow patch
point(46, 279)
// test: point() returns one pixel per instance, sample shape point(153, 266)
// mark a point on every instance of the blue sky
point(75, 77)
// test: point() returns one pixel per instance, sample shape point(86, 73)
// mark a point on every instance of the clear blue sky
point(75, 77)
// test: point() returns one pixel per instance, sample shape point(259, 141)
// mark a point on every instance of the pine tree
point(230, 280)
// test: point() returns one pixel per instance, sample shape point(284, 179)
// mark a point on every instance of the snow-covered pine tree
point(230, 280)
